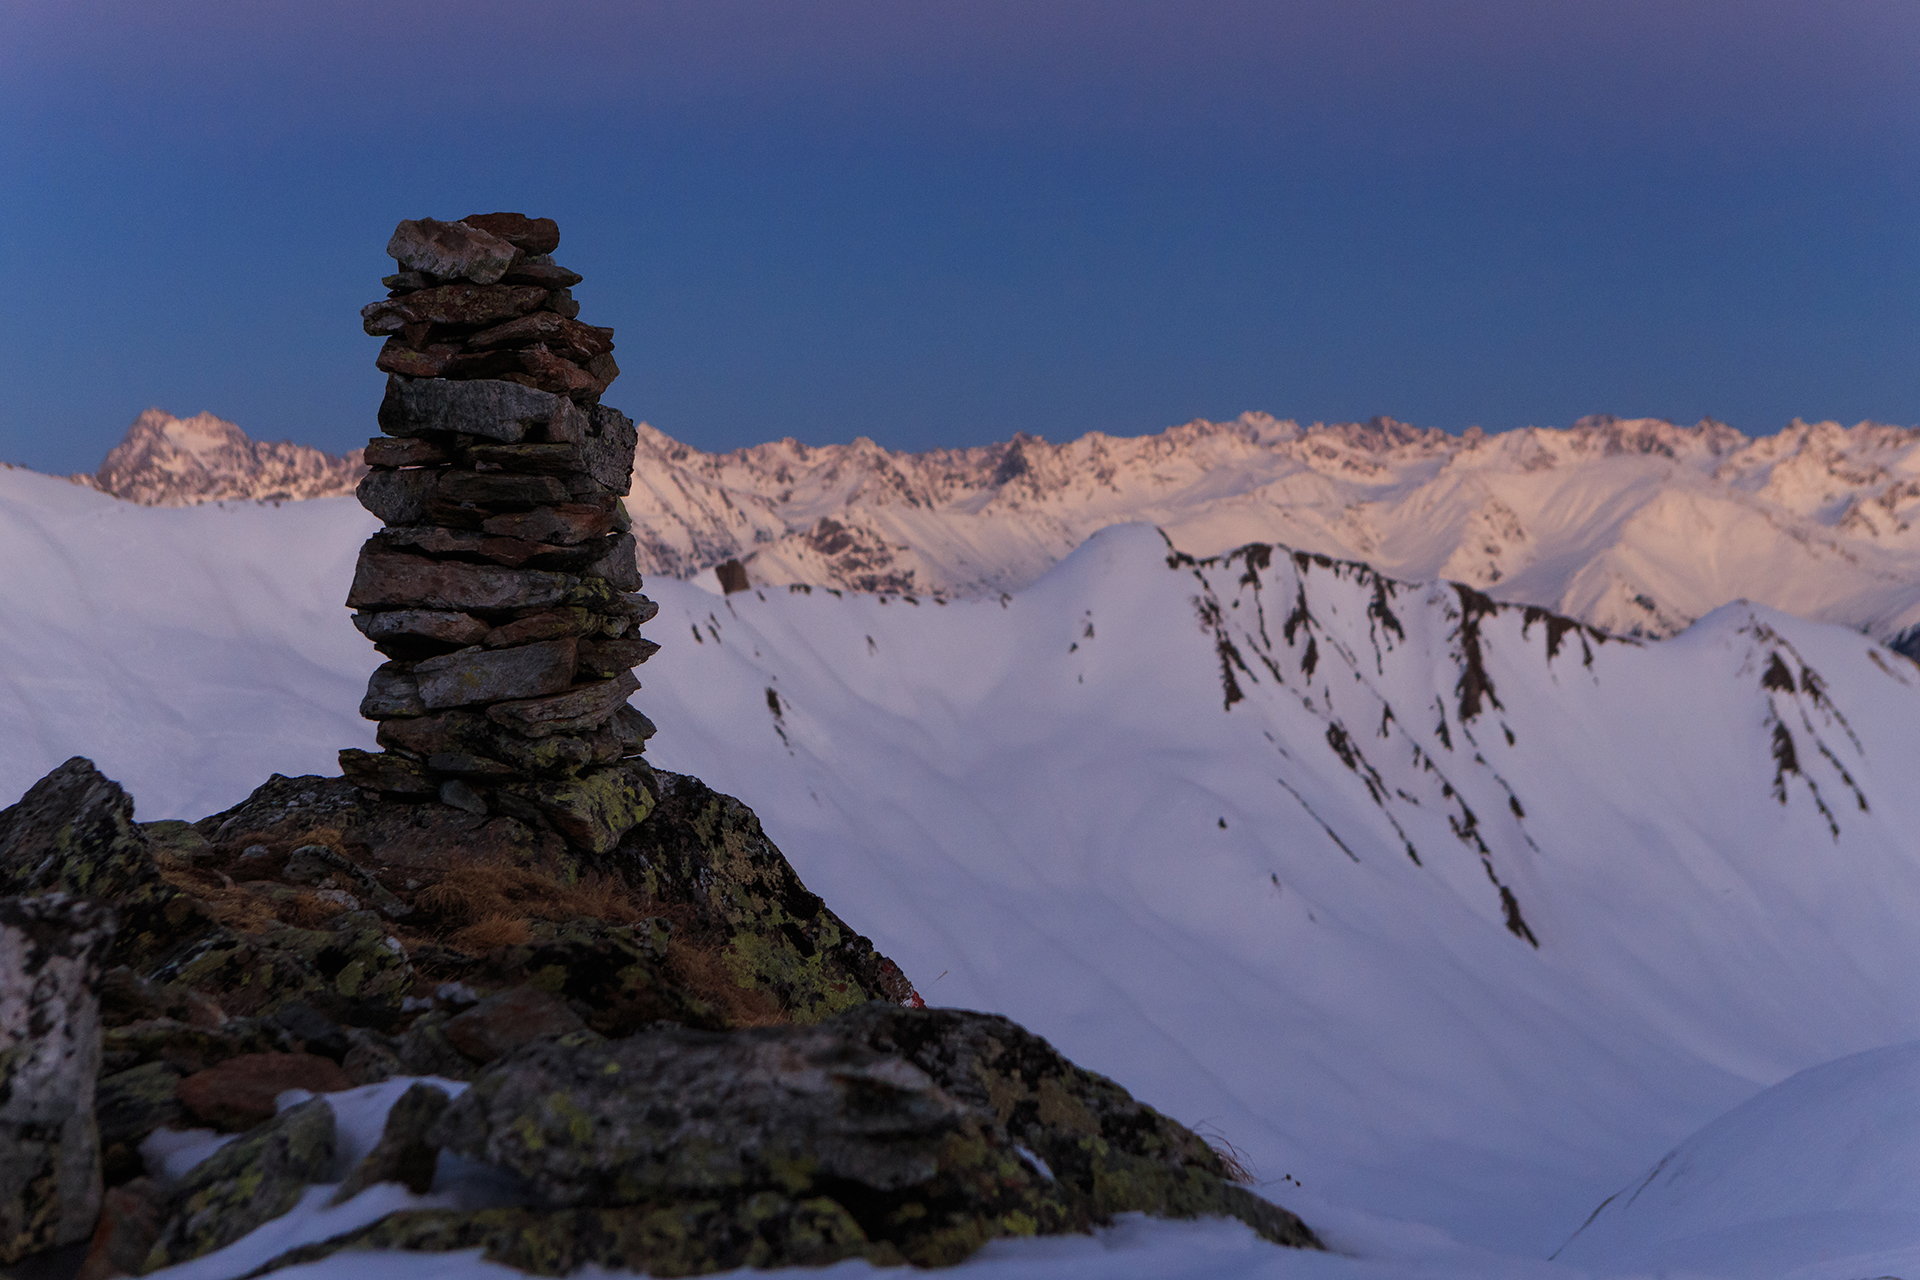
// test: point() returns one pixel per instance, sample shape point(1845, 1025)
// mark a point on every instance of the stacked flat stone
point(502, 589)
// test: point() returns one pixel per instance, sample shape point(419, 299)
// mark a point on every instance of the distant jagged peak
point(1708, 436)
point(165, 461)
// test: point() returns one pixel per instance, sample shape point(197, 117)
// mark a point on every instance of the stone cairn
point(502, 588)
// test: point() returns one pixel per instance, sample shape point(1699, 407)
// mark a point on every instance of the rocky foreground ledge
point(680, 1060)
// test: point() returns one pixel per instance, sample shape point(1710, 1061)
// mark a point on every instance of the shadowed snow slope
point(1819, 1169)
point(1449, 912)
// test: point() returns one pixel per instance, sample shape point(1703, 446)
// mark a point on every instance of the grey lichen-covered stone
point(390, 580)
point(684, 1238)
point(608, 448)
point(73, 832)
point(594, 809)
point(476, 675)
point(497, 410)
point(679, 1113)
point(392, 691)
point(252, 1180)
point(620, 565)
point(404, 1154)
point(580, 708)
point(892, 1134)
point(51, 948)
point(129, 1105)
point(422, 624)
point(397, 497)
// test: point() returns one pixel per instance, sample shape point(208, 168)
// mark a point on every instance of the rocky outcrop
point(503, 589)
point(891, 1134)
point(682, 1056)
point(50, 953)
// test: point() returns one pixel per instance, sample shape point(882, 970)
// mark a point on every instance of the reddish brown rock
point(541, 458)
point(494, 675)
point(561, 302)
point(402, 581)
point(543, 369)
point(584, 707)
point(397, 357)
point(238, 1094)
point(387, 453)
point(500, 1024)
point(483, 364)
point(547, 275)
point(129, 1224)
point(385, 772)
point(494, 489)
point(529, 235)
point(409, 281)
point(453, 250)
point(458, 306)
point(564, 336)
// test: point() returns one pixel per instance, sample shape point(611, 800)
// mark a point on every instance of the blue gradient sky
point(940, 223)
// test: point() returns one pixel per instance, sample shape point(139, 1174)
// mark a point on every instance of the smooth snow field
point(1455, 923)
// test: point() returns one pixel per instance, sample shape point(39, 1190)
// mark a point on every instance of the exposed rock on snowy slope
point(166, 461)
point(1637, 526)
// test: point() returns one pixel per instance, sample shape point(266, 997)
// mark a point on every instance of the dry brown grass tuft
point(493, 932)
point(703, 970)
point(1232, 1157)
point(307, 911)
point(488, 889)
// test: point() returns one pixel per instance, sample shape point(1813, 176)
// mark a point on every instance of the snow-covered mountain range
point(1454, 917)
point(1636, 526)
point(166, 461)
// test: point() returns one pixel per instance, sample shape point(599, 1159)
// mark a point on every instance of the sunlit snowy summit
point(1637, 526)
point(166, 461)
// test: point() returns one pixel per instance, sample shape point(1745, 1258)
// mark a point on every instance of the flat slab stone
point(422, 624)
point(400, 581)
point(566, 524)
point(533, 235)
point(470, 306)
point(497, 410)
point(451, 250)
point(577, 710)
point(495, 675)
point(397, 497)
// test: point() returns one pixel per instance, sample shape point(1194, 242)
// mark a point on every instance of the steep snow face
point(166, 461)
point(1636, 526)
point(192, 648)
point(1455, 910)
point(1440, 910)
